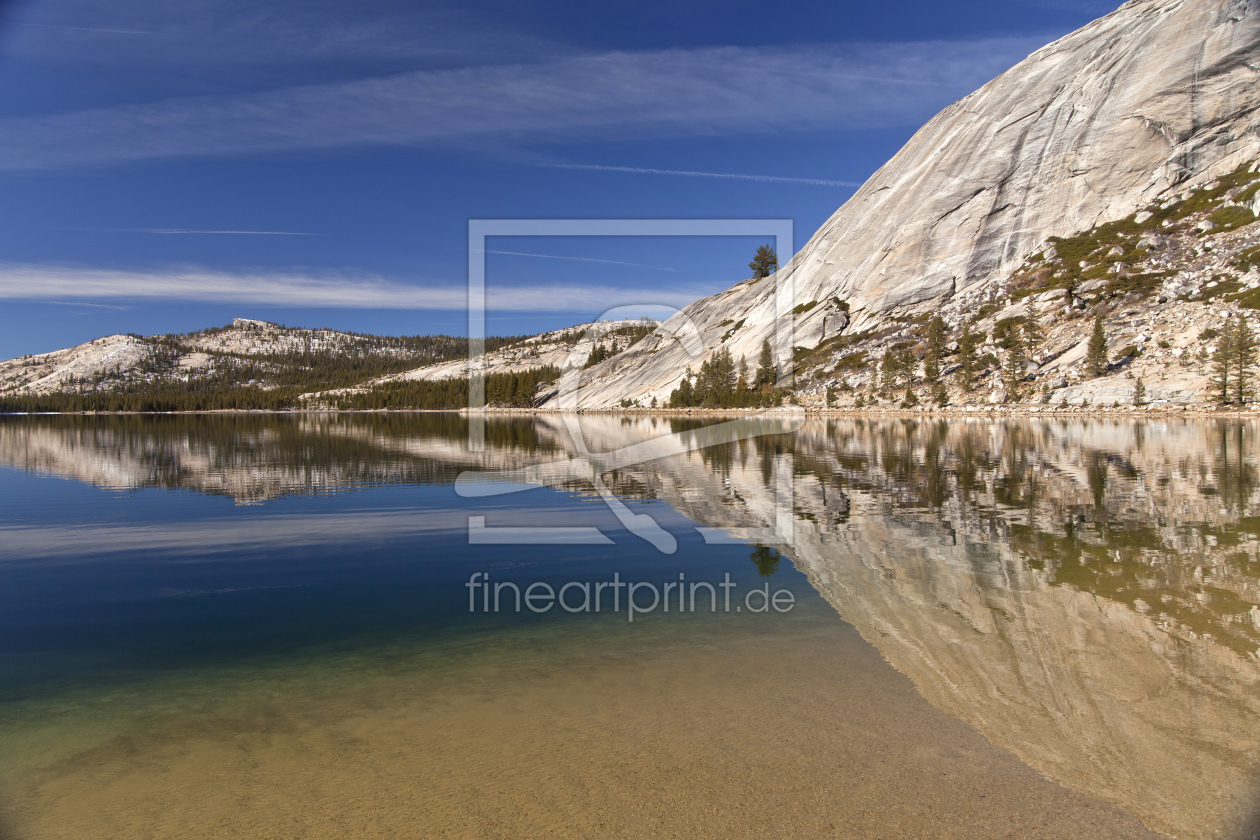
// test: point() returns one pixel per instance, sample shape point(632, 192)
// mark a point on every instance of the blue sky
point(166, 166)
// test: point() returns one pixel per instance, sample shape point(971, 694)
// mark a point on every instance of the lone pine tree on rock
point(764, 263)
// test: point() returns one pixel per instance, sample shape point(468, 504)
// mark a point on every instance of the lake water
point(263, 627)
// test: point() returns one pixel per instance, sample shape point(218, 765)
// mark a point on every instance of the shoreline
point(1250, 411)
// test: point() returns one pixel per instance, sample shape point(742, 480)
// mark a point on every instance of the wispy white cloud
point(300, 290)
point(662, 93)
point(818, 182)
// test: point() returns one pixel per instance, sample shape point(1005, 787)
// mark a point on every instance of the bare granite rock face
point(566, 348)
point(58, 371)
point(1152, 100)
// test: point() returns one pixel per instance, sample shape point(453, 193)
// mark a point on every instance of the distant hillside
point(247, 364)
point(254, 364)
point(518, 374)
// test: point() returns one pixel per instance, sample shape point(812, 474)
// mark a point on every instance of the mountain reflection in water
point(1085, 593)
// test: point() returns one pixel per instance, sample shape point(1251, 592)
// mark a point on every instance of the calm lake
point(284, 626)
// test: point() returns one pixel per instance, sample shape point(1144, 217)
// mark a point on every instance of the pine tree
point(684, 394)
point(1013, 370)
point(1034, 335)
point(908, 362)
point(1069, 291)
point(937, 333)
point(831, 396)
point(719, 378)
point(764, 263)
point(896, 366)
point(1096, 353)
point(765, 365)
point(742, 385)
point(888, 371)
point(1139, 392)
point(766, 560)
point(934, 358)
point(1222, 361)
point(968, 355)
point(1244, 356)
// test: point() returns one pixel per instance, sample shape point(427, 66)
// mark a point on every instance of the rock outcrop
point(567, 348)
point(63, 370)
point(1156, 98)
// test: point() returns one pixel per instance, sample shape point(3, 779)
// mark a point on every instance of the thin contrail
point(86, 28)
point(736, 176)
point(580, 259)
point(165, 231)
point(90, 306)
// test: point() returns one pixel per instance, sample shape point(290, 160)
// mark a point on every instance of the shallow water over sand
point(259, 627)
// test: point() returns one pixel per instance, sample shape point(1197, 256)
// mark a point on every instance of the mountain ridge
point(1160, 95)
point(248, 364)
